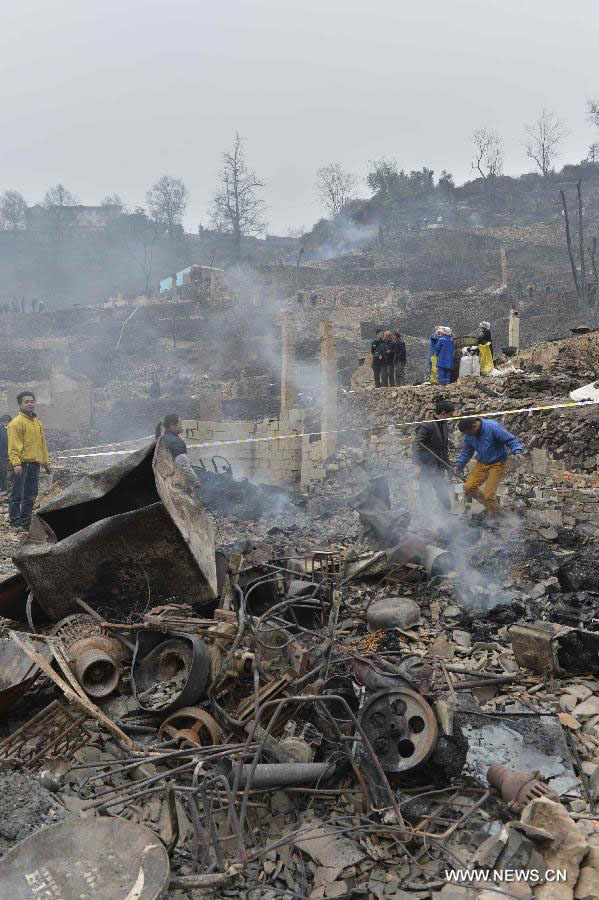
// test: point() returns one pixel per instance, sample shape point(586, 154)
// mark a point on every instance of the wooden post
point(592, 251)
point(503, 254)
point(569, 243)
point(287, 365)
point(513, 338)
point(328, 389)
point(583, 277)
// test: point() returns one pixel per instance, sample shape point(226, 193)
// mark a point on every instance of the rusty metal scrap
point(56, 731)
point(130, 528)
point(401, 727)
point(94, 655)
point(519, 788)
point(546, 647)
point(251, 713)
point(191, 726)
point(70, 688)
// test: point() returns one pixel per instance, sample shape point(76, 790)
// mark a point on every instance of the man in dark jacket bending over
point(430, 452)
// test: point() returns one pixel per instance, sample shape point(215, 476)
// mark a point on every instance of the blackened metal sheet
point(121, 487)
point(188, 513)
point(119, 566)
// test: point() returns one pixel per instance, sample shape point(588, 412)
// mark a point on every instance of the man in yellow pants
point(491, 442)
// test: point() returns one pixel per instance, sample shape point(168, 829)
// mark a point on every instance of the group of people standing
point(441, 353)
point(388, 358)
point(16, 306)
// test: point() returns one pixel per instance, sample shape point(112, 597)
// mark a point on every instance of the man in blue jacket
point(491, 442)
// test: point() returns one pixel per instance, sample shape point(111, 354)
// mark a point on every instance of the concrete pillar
point(513, 332)
point(328, 389)
point(503, 253)
point(287, 364)
point(539, 461)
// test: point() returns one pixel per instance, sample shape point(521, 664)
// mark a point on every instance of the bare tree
point(114, 200)
point(488, 153)
point(140, 235)
point(237, 208)
point(578, 270)
point(335, 187)
point(12, 210)
point(592, 251)
point(167, 201)
point(583, 271)
point(593, 112)
point(569, 243)
point(57, 201)
point(58, 196)
point(543, 138)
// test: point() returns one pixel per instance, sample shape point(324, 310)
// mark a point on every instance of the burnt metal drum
point(103, 858)
point(401, 727)
point(159, 656)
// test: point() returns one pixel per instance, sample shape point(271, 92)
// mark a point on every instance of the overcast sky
point(107, 95)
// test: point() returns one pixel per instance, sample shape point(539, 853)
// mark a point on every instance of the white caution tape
point(371, 428)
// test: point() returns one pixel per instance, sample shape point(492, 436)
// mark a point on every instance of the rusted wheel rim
point(401, 727)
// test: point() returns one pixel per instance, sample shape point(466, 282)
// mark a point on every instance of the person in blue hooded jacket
point(445, 355)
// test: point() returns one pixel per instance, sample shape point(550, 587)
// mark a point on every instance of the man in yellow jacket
point(27, 451)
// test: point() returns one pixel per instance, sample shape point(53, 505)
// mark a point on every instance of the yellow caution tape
point(372, 428)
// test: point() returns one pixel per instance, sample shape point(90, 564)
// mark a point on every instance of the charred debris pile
point(272, 699)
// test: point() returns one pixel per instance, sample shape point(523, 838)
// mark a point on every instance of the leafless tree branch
point(237, 207)
point(335, 187)
point(543, 138)
point(488, 153)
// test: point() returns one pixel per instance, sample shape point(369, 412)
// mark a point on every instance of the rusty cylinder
point(96, 672)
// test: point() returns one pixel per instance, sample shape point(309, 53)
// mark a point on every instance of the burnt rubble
point(324, 698)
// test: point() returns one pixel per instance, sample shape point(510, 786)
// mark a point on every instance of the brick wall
point(570, 437)
point(64, 402)
point(270, 461)
point(123, 420)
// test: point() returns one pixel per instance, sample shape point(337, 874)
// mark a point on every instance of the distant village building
point(193, 275)
point(41, 218)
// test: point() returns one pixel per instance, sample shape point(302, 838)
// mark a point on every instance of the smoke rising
point(482, 554)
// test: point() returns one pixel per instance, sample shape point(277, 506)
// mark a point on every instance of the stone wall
point(124, 420)
point(255, 452)
point(64, 403)
point(571, 437)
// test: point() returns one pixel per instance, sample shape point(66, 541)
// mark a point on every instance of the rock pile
point(372, 417)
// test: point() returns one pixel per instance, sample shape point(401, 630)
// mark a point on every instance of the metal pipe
point(174, 819)
point(484, 682)
point(450, 468)
point(436, 560)
point(275, 775)
point(96, 672)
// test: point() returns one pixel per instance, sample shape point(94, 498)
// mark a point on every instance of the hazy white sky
point(107, 95)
